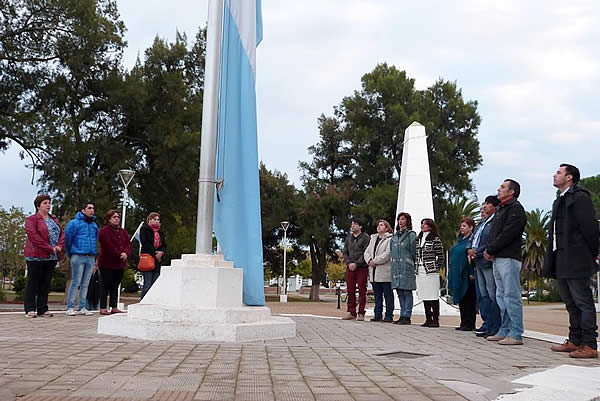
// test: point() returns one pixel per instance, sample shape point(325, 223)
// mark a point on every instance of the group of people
point(484, 266)
point(47, 243)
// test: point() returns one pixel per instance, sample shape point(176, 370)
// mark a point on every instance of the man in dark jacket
point(357, 270)
point(484, 269)
point(504, 249)
point(570, 258)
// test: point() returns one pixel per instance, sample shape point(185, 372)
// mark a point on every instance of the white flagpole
point(208, 147)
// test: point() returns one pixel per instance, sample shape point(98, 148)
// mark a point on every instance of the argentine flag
point(236, 220)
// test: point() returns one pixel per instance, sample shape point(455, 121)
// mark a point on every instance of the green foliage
point(128, 283)
point(19, 282)
point(336, 270)
point(592, 184)
point(449, 221)
point(279, 202)
point(536, 232)
point(58, 282)
point(12, 241)
point(2, 295)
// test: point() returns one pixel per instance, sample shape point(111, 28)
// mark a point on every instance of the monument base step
point(126, 326)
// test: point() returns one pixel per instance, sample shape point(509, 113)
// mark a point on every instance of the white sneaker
point(84, 312)
point(71, 312)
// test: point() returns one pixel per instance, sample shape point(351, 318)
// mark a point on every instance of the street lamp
point(126, 177)
point(283, 295)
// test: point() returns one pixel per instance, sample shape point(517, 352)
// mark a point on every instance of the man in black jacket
point(504, 249)
point(570, 258)
point(357, 270)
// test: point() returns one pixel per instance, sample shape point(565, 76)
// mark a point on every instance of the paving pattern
point(63, 358)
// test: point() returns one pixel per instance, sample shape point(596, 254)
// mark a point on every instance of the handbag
point(146, 262)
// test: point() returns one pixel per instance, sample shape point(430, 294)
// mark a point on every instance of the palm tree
point(534, 249)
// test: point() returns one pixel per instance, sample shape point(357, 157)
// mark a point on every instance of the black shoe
point(467, 329)
point(388, 320)
point(375, 319)
point(459, 328)
point(404, 320)
point(483, 334)
point(481, 330)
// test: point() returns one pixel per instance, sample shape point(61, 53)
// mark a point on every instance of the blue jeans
point(482, 302)
point(82, 268)
point(149, 279)
point(382, 290)
point(507, 273)
point(406, 302)
point(487, 288)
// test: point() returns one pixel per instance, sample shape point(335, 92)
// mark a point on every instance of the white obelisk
point(414, 194)
point(414, 190)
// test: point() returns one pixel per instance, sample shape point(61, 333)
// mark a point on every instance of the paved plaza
point(63, 358)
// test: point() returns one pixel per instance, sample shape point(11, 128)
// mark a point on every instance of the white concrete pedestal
point(197, 298)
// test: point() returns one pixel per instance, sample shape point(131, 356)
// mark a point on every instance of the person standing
point(81, 234)
point(115, 248)
point(45, 242)
point(357, 270)
point(430, 260)
point(378, 257)
point(484, 268)
point(461, 277)
point(404, 254)
point(570, 258)
point(504, 249)
point(152, 240)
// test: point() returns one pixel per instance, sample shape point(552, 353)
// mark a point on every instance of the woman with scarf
point(44, 247)
point(461, 277)
point(404, 254)
point(430, 260)
point(115, 248)
point(153, 242)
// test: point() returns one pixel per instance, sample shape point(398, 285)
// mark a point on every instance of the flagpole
point(208, 146)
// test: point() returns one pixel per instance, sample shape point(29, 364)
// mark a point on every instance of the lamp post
point(283, 295)
point(126, 177)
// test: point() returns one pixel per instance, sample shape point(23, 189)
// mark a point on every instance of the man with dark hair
point(504, 249)
point(570, 258)
point(81, 234)
point(357, 270)
point(484, 269)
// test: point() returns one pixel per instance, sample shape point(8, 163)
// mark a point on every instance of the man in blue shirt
point(81, 234)
point(484, 268)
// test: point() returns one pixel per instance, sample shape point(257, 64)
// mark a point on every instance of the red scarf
point(155, 227)
point(505, 201)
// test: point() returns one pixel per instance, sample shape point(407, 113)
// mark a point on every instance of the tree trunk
point(316, 272)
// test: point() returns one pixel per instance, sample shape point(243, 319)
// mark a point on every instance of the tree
point(357, 161)
point(449, 220)
point(12, 241)
point(336, 270)
point(534, 250)
point(278, 202)
point(592, 184)
point(161, 99)
point(60, 62)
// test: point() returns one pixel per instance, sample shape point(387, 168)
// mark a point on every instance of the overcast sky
point(534, 68)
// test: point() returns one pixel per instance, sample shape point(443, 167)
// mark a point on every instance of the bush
point(19, 282)
point(59, 281)
point(128, 283)
point(2, 295)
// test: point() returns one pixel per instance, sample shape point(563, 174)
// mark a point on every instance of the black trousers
point(39, 275)
point(109, 286)
point(577, 295)
point(468, 307)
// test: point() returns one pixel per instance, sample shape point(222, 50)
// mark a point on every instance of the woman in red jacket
point(45, 243)
point(115, 248)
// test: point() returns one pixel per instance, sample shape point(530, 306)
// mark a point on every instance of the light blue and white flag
point(237, 223)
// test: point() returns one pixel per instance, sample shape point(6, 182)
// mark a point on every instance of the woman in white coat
point(378, 256)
